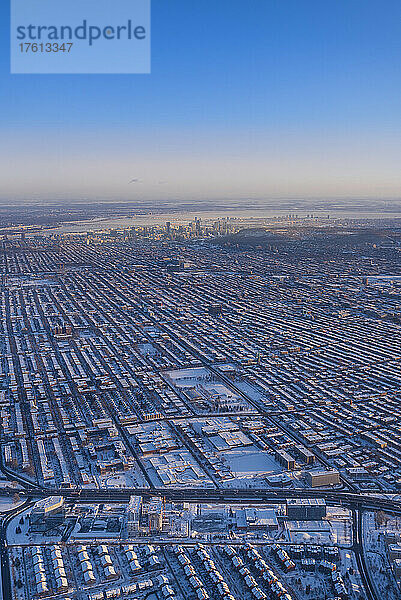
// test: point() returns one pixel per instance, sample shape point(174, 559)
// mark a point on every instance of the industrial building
point(322, 478)
point(305, 509)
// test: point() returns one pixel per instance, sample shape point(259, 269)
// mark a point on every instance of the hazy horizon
point(262, 102)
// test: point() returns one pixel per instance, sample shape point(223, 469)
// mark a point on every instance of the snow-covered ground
point(376, 555)
point(250, 461)
point(7, 504)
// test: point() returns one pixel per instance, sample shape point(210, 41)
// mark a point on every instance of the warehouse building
point(322, 478)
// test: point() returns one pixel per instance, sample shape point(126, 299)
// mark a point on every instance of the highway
point(385, 502)
point(4, 558)
point(360, 555)
point(356, 502)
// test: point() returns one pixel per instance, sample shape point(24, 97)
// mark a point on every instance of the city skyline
point(200, 300)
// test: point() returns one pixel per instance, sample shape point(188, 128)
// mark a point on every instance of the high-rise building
point(134, 514)
point(155, 515)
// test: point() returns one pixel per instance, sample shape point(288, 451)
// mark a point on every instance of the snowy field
point(131, 478)
point(185, 378)
point(250, 461)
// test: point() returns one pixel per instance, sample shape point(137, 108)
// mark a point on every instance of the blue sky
point(261, 99)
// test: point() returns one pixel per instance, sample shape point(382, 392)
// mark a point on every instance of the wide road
point(357, 517)
point(385, 502)
point(4, 558)
point(356, 502)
